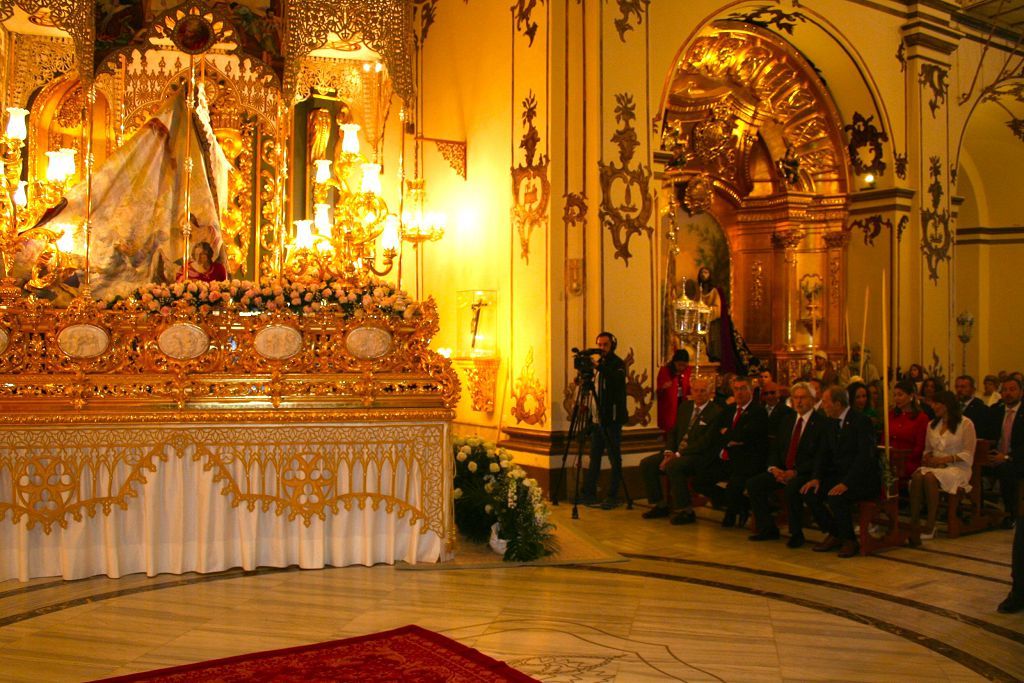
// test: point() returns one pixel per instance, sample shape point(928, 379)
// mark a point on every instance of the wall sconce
point(964, 325)
point(869, 181)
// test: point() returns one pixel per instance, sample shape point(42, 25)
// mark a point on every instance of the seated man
point(689, 445)
point(1007, 420)
point(743, 452)
point(791, 465)
point(847, 471)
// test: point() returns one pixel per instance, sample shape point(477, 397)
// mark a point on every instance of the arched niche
point(56, 116)
point(751, 135)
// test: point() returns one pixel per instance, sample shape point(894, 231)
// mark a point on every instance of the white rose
point(504, 464)
point(488, 509)
point(530, 483)
point(457, 494)
point(465, 449)
point(472, 466)
point(461, 457)
point(489, 487)
point(495, 467)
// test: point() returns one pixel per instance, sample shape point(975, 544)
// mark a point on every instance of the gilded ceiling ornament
point(936, 234)
point(934, 77)
point(626, 202)
point(699, 194)
point(384, 26)
point(767, 16)
point(38, 60)
point(871, 226)
point(531, 188)
point(628, 9)
point(522, 14)
point(640, 391)
point(865, 146)
point(76, 17)
point(529, 396)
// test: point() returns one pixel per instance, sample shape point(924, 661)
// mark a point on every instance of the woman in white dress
point(945, 465)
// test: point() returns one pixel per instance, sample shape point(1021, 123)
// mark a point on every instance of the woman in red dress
point(908, 427)
point(673, 386)
point(202, 267)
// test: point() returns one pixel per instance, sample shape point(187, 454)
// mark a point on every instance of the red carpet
point(409, 653)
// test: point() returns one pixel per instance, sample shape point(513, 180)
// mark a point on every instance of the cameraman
point(609, 415)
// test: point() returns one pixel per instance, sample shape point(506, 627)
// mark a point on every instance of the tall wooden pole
point(864, 330)
point(885, 377)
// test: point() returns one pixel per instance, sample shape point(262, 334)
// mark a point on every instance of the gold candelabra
point(341, 241)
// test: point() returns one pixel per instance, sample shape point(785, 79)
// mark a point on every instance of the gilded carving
point(425, 12)
point(901, 226)
point(900, 162)
point(835, 278)
point(76, 17)
point(640, 391)
point(531, 188)
point(627, 10)
point(46, 368)
point(934, 77)
point(871, 226)
point(757, 284)
point(865, 146)
point(626, 202)
point(482, 382)
point(575, 278)
point(384, 26)
point(529, 396)
point(298, 471)
point(699, 194)
point(522, 14)
point(454, 152)
point(936, 234)
point(37, 61)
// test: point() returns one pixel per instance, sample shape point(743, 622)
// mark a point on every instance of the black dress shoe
point(684, 517)
point(656, 513)
point(1011, 605)
point(729, 521)
point(830, 543)
point(795, 541)
point(849, 549)
point(767, 535)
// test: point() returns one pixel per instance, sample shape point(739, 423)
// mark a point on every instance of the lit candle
point(371, 178)
point(16, 126)
point(389, 239)
point(323, 170)
point(54, 167)
point(20, 196)
point(322, 219)
point(68, 161)
point(304, 234)
point(350, 138)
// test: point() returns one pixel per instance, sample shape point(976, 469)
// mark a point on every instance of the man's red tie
point(735, 421)
point(794, 442)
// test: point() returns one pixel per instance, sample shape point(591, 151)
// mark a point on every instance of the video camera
point(582, 361)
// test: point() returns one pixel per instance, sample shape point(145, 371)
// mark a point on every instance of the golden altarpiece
point(290, 414)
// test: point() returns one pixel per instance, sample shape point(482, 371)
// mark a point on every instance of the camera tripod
point(579, 429)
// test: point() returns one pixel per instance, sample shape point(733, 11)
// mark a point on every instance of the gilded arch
point(751, 135)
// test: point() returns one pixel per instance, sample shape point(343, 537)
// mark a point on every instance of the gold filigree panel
point(384, 26)
point(529, 397)
point(133, 374)
point(54, 476)
point(73, 16)
point(37, 60)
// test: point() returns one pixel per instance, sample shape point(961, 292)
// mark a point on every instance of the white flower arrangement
point(491, 489)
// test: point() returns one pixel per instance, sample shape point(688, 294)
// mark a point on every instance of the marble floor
point(692, 603)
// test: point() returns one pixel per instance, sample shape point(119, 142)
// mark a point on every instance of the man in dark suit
point(611, 414)
point(743, 449)
point(774, 406)
point(1010, 454)
point(847, 471)
point(973, 407)
point(791, 465)
point(688, 447)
